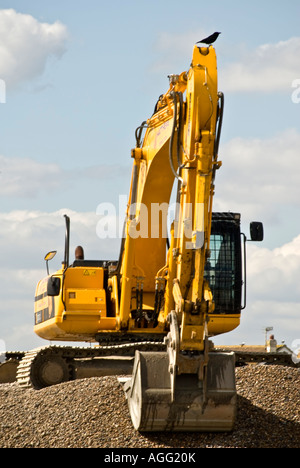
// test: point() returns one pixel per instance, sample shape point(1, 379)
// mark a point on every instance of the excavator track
point(283, 359)
point(51, 365)
point(116, 359)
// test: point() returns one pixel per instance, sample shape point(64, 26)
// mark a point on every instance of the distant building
point(271, 346)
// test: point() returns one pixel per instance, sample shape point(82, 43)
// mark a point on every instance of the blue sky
point(81, 76)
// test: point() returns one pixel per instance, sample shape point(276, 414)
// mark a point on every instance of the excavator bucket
point(196, 405)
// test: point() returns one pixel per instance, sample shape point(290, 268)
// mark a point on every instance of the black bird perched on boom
point(210, 39)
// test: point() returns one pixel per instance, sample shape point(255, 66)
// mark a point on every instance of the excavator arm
point(179, 143)
point(187, 387)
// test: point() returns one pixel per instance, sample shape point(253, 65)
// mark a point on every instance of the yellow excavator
point(157, 307)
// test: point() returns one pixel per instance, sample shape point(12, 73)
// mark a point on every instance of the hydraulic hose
point(174, 95)
point(218, 132)
point(138, 133)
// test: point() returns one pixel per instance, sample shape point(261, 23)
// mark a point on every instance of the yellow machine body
point(85, 306)
point(82, 314)
point(182, 286)
point(80, 309)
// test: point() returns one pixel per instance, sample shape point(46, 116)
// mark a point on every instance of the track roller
point(42, 368)
point(50, 371)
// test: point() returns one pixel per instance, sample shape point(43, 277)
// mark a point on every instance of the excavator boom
point(186, 388)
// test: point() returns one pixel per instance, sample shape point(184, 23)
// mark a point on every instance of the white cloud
point(26, 236)
point(25, 177)
point(26, 46)
point(283, 316)
point(269, 68)
point(259, 176)
point(274, 274)
point(273, 296)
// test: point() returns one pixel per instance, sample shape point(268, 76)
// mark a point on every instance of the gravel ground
point(93, 413)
